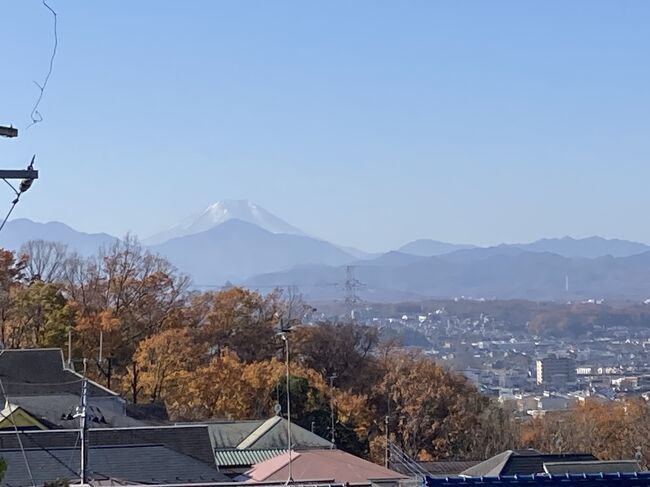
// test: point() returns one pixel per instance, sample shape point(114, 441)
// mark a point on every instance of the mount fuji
point(236, 239)
point(221, 212)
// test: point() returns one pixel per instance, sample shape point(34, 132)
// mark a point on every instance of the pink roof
point(320, 465)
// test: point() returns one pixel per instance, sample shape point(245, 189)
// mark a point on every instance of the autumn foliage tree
point(342, 350)
point(40, 316)
point(432, 413)
point(242, 321)
point(216, 355)
point(162, 362)
point(11, 277)
point(608, 430)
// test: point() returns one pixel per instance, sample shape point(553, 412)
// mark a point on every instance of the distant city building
point(555, 371)
point(584, 371)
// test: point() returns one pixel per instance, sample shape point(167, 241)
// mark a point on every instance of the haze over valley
point(239, 242)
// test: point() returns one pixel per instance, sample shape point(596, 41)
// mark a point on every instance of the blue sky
point(368, 123)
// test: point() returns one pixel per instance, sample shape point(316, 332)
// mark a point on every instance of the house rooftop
point(449, 467)
point(261, 435)
point(521, 462)
point(42, 371)
point(636, 479)
point(333, 466)
point(150, 464)
point(192, 441)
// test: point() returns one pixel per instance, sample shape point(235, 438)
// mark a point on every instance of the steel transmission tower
point(351, 287)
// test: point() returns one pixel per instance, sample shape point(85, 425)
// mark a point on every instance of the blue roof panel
point(582, 480)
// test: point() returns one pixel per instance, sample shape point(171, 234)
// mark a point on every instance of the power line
point(42, 384)
point(54, 457)
point(11, 186)
point(35, 115)
point(20, 441)
point(265, 286)
point(11, 209)
point(13, 204)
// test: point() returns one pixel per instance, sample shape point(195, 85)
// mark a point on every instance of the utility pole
point(70, 365)
point(83, 426)
point(283, 334)
point(81, 413)
point(26, 176)
point(386, 450)
point(333, 439)
point(85, 414)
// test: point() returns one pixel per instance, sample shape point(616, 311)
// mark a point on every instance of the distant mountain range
point(17, 232)
point(235, 249)
point(498, 273)
point(221, 212)
point(429, 248)
point(241, 242)
point(590, 247)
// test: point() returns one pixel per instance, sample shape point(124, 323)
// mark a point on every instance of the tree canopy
point(216, 354)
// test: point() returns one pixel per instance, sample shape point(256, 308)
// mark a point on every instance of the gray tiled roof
point(134, 463)
point(450, 467)
point(262, 435)
point(229, 434)
point(51, 407)
point(33, 372)
point(492, 467)
point(193, 441)
point(272, 433)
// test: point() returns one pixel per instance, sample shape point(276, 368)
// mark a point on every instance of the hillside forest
point(217, 355)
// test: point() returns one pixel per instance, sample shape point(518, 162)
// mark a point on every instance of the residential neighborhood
point(280, 243)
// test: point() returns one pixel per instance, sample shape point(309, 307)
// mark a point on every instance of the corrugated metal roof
point(600, 466)
point(244, 458)
point(636, 479)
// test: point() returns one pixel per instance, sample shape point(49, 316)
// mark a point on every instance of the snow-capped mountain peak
point(221, 212)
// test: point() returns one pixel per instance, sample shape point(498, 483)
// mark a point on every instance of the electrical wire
point(18, 437)
point(11, 186)
point(20, 441)
point(267, 286)
point(74, 452)
point(67, 465)
point(11, 209)
point(35, 115)
point(37, 384)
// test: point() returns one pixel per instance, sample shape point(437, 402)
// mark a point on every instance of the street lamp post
point(283, 335)
point(332, 418)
